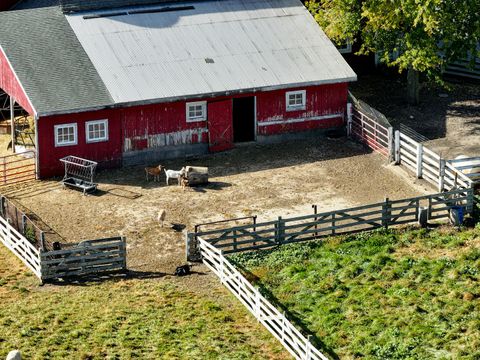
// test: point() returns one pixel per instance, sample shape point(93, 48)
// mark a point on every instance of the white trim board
point(293, 121)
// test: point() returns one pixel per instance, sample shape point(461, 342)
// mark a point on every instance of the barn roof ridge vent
point(143, 10)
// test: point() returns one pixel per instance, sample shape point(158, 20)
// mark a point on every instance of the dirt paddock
point(264, 180)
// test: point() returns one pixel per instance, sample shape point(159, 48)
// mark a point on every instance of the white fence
point(275, 321)
point(88, 257)
point(427, 164)
point(20, 246)
point(469, 166)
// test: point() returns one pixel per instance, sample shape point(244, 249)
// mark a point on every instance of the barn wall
point(325, 106)
point(108, 153)
point(7, 4)
point(10, 84)
point(147, 134)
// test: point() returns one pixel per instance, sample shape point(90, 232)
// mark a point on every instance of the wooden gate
point(17, 168)
point(220, 125)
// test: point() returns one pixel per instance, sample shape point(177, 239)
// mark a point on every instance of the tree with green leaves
point(424, 35)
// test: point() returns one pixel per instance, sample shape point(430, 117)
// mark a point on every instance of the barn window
point(65, 134)
point(197, 111)
point(296, 100)
point(97, 131)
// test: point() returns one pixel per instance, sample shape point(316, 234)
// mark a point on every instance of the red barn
point(129, 82)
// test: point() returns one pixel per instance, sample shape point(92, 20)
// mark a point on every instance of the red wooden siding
point(7, 4)
point(10, 84)
point(159, 125)
point(156, 126)
point(220, 127)
point(325, 106)
point(107, 153)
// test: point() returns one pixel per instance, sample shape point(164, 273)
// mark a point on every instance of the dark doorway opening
point(244, 119)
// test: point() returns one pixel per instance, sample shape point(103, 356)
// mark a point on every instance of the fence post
point(124, 252)
point(419, 161)
point(386, 213)
point(308, 350)
point(391, 145)
point(258, 305)
point(349, 119)
point(470, 201)
point(315, 211)
point(254, 228)
point(2, 206)
point(24, 223)
point(42, 241)
point(441, 175)
point(221, 268)
point(193, 248)
point(398, 159)
point(280, 230)
point(333, 223)
point(235, 247)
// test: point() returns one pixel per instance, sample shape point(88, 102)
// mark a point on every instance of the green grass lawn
point(412, 294)
point(124, 319)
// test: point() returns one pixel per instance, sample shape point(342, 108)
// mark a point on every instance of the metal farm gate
point(370, 127)
point(17, 168)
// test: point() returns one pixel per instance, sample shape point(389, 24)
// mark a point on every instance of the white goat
point(153, 171)
point(173, 174)
point(162, 214)
point(14, 355)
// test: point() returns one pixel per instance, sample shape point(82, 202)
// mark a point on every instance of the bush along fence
point(52, 261)
point(211, 245)
point(370, 127)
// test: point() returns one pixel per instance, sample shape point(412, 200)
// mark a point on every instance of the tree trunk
point(413, 86)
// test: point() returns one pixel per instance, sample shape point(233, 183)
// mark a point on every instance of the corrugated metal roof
point(254, 44)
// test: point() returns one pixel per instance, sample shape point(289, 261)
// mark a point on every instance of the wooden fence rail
point(428, 165)
point(370, 127)
point(85, 258)
point(275, 321)
point(282, 231)
point(20, 246)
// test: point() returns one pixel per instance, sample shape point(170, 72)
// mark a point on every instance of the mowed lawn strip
point(410, 294)
point(124, 319)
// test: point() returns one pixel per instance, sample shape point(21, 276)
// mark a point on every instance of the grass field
point(124, 319)
point(412, 294)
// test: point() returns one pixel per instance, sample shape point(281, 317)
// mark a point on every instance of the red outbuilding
point(134, 82)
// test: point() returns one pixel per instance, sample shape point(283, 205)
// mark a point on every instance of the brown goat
point(153, 171)
point(183, 181)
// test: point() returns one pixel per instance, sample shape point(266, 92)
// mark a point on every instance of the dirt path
point(267, 181)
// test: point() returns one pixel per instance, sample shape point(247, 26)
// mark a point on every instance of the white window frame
point(303, 106)
point(64, 126)
point(203, 117)
point(87, 131)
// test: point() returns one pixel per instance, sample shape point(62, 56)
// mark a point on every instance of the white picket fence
point(274, 320)
point(20, 246)
point(427, 164)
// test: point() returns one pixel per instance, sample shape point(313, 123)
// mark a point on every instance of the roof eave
point(197, 96)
